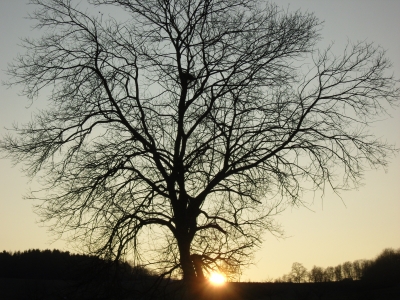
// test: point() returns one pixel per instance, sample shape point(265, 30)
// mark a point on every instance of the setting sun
point(217, 278)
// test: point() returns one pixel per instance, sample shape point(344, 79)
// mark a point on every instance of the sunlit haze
point(332, 229)
point(217, 278)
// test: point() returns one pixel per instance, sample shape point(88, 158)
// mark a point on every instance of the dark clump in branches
point(180, 132)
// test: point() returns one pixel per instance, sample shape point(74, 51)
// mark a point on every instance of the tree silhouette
point(176, 135)
point(55, 264)
point(347, 270)
point(338, 273)
point(317, 274)
point(299, 273)
point(358, 268)
point(329, 274)
point(384, 269)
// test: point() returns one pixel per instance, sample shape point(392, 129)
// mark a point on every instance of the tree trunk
point(188, 270)
point(198, 266)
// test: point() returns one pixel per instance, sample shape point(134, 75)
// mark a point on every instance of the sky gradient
point(332, 230)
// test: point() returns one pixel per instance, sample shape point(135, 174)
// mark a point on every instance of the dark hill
point(58, 265)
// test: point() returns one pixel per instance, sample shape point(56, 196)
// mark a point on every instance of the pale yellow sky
point(358, 225)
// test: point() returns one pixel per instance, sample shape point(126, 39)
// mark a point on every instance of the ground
point(21, 289)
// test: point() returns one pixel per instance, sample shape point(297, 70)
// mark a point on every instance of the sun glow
point(217, 279)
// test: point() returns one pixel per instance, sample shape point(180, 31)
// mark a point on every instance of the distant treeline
point(55, 264)
point(385, 268)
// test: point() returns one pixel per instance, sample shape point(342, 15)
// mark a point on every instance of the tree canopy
point(178, 133)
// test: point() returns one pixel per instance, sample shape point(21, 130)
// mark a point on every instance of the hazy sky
point(331, 231)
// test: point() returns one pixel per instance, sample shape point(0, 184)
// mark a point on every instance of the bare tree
point(299, 273)
point(347, 270)
point(178, 133)
point(329, 274)
point(358, 268)
point(284, 278)
point(317, 274)
point(338, 273)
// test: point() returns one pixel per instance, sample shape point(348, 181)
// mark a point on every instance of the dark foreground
point(21, 289)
